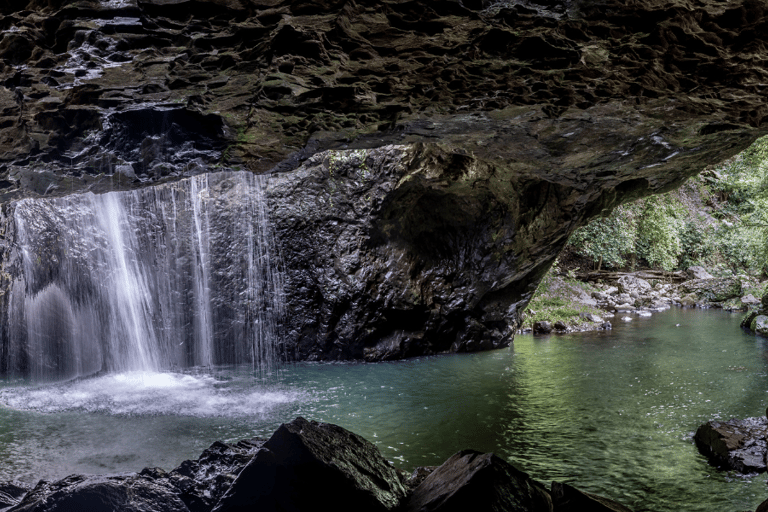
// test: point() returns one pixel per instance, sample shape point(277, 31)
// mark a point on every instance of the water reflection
point(611, 413)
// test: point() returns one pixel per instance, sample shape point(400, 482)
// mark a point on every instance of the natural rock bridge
point(429, 159)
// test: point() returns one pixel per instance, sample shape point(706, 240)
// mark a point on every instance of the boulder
point(202, 482)
point(746, 322)
point(569, 499)
point(305, 464)
point(699, 273)
point(750, 300)
point(759, 325)
point(417, 476)
point(132, 493)
point(630, 283)
point(591, 317)
point(542, 327)
point(735, 444)
point(560, 326)
point(713, 290)
point(471, 480)
point(11, 493)
point(688, 301)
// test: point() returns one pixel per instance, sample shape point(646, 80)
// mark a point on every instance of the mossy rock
point(746, 322)
point(759, 325)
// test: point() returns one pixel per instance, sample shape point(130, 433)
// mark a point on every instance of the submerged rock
point(735, 444)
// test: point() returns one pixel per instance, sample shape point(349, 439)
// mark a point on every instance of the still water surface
point(609, 412)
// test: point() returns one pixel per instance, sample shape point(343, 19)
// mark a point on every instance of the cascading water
point(167, 277)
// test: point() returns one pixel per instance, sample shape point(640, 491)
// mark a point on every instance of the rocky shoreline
point(306, 464)
point(638, 294)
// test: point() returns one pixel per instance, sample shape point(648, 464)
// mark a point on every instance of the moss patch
point(561, 299)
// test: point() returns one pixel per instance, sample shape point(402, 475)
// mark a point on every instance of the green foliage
point(658, 239)
point(742, 238)
point(696, 243)
point(649, 229)
point(665, 233)
point(608, 239)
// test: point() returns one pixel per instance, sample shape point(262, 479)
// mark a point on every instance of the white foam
point(150, 393)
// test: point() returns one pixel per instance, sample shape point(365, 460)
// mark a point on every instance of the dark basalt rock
point(195, 486)
point(100, 494)
point(570, 499)
point(398, 252)
point(471, 480)
point(303, 467)
point(542, 327)
point(202, 482)
point(305, 464)
point(11, 493)
point(735, 444)
point(518, 122)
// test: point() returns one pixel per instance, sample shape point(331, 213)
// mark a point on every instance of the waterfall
point(166, 277)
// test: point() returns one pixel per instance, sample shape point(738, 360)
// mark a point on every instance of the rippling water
point(609, 412)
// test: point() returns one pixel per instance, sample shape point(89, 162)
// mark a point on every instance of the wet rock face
point(517, 122)
point(404, 251)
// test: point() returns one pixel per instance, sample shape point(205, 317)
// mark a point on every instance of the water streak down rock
point(159, 278)
point(513, 123)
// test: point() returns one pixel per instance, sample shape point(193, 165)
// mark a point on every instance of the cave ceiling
point(629, 97)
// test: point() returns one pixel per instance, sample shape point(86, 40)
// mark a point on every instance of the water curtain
point(161, 278)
